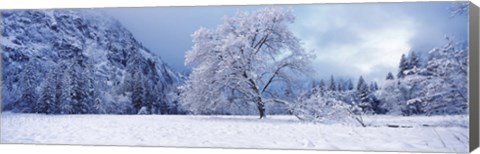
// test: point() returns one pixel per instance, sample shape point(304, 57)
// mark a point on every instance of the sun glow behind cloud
point(350, 41)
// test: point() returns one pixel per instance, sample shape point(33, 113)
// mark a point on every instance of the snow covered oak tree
point(248, 53)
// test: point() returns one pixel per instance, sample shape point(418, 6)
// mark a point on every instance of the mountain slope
point(94, 46)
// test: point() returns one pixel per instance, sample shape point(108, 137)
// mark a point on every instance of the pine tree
point(390, 76)
point(138, 94)
point(332, 86)
point(375, 105)
point(66, 103)
point(80, 90)
point(89, 86)
point(363, 94)
point(26, 104)
point(46, 101)
point(414, 61)
point(321, 85)
point(372, 87)
point(150, 96)
point(98, 106)
point(161, 103)
point(402, 67)
point(350, 85)
point(360, 83)
point(339, 86)
point(314, 88)
point(127, 83)
point(59, 81)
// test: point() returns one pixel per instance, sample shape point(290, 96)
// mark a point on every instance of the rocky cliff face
point(96, 49)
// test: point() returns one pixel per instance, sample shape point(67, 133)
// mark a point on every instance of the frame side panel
point(474, 75)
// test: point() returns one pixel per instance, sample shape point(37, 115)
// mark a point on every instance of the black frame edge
point(474, 69)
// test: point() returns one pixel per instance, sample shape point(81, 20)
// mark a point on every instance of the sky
point(349, 40)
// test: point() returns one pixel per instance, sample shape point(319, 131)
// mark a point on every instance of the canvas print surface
point(372, 76)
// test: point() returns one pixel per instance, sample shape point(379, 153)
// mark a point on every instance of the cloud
point(349, 39)
point(367, 39)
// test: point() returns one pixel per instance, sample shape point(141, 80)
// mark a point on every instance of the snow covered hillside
point(79, 61)
point(432, 134)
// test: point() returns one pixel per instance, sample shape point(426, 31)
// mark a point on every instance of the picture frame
point(66, 45)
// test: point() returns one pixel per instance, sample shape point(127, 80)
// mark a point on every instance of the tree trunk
point(261, 107)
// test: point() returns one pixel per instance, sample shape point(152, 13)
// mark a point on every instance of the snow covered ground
point(434, 134)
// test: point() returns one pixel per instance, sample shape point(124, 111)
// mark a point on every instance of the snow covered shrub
point(112, 104)
point(326, 109)
point(143, 110)
point(392, 98)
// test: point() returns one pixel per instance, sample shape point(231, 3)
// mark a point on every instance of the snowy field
point(434, 134)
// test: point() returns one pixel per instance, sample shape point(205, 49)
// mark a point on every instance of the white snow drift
point(434, 134)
